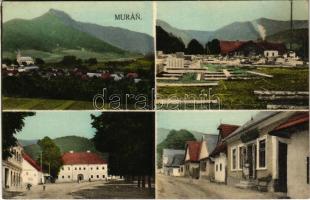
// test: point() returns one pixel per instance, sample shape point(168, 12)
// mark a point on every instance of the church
point(22, 60)
point(81, 166)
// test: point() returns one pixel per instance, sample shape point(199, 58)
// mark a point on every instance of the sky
point(211, 15)
point(206, 122)
point(57, 124)
point(102, 13)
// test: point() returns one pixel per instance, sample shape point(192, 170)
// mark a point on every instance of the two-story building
point(80, 166)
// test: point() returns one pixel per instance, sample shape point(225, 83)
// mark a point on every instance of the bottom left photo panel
point(78, 154)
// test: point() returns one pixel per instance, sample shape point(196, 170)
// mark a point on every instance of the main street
point(88, 190)
point(168, 187)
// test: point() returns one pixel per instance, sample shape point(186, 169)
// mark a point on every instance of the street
point(169, 187)
point(86, 190)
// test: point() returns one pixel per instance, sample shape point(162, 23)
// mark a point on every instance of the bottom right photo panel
point(232, 154)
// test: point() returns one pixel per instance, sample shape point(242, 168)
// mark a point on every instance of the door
point(80, 177)
point(282, 163)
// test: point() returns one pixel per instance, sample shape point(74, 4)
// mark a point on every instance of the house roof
point(193, 148)
point(176, 160)
point(230, 46)
point(222, 147)
point(32, 162)
point(256, 119)
point(293, 121)
point(226, 129)
point(211, 140)
point(171, 154)
point(72, 158)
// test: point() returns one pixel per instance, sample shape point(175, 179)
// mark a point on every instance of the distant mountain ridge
point(56, 31)
point(248, 30)
point(66, 144)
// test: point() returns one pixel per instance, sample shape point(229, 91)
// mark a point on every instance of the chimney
point(71, 151)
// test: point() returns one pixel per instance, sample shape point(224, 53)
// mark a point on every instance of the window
point(91, 176)
point(216, 167)
point(68, 176)
point(62, 168)
point(97, 176)
point(262, 153)
point(97, 168)
point(102, 167)
point(220, 166)
point(241, 156)
point(233, 158)
point(103, 176)
point(69, 168)
point(91, 168)
point(84, 168)
point(63, 177)
point(75, 168)
point(80, 168)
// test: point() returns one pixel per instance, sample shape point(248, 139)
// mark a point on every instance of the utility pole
point(41, 168)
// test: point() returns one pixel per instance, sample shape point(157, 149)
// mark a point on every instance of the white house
point(31, 173)
point(293, 155)
point(12, 169)
point(172, 159)
point(219, 154)
point(191, 163)
point(208, 143)
point(82, 166)
point(24, 59)
point(271, 53)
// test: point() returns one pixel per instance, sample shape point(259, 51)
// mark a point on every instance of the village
point(26, 66)
point(48, 169)
point(265, 157)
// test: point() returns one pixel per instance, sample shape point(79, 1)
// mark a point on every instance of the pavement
point(56, 191)
point(168, 187)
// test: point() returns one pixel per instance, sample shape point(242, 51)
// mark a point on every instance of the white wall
point(30, 174)
point(69, 173)
point(220, 175)
point(297, 152)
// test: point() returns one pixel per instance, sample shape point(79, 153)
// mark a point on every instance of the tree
point(167, 42)
point(194, 47)
point(69, 60)
point(128, 138)
point(92, 61)
point(174, 140)
point(39, 61)
point(7, 61)
point(213, 47)
point(51, 156)
point(12, 123)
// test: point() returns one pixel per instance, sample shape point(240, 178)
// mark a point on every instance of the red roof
point(294, 120)
point(32, 162)
point(82, 158)
point(229, 46)
point(226, 129)
point(193, 148)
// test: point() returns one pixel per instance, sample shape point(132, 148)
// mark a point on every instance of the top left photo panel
point(77, 56)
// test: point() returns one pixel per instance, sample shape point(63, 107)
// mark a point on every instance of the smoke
point(261, 31)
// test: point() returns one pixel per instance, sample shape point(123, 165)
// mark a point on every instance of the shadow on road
point(118, 191)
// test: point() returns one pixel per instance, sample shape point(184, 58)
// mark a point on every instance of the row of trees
point(129, 139)
point(168, 43)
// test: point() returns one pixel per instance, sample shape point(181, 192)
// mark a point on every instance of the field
point(12, 103)
point(238, 94)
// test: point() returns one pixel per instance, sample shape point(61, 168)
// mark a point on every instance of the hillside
point(55, 34)
point(248, 30)
point(67, 143)
point(163, 132)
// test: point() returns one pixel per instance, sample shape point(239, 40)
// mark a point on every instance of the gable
point(203, 151)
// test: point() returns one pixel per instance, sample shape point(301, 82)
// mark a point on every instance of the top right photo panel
point(232, 55)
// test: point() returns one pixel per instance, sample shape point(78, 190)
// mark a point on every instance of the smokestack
point(291, 25)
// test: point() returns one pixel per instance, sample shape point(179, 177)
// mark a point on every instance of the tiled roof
point(230, 46)
point(82, 158)
point(294, 120)
point(226, 129)
point(193, 148)
point(32, 162)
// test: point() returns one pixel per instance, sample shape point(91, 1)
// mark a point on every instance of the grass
point(238, 94)
point(12, 103)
